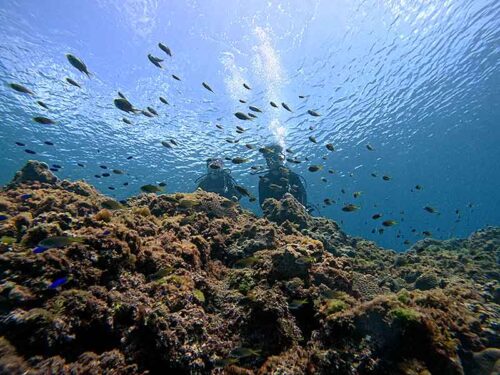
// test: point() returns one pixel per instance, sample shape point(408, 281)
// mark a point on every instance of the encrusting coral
point(193, 284)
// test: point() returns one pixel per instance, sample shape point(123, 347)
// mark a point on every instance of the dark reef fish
point(315, 168)
point(239, 160)
point(60, 241)
point(111, 204)
point(151, 188)
point(124, 105)
point(20, 88)
point(7, 240)
point(297, 304)
point(284, 105)
point(155, 60)
point(430, 209)
point(73, 82)
point(242, 190)
point(389, 223)
point(78, 64)
point(205, 85)
point(242, 116)
point(165, 49)
point(243, 352)
point(152, 110)
point(43, 120)
point(350, 208)
point(42, 104)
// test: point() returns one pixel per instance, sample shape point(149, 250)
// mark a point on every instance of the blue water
point(418, 80)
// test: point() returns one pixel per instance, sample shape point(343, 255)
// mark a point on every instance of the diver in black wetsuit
point(279, 180)
point(218, 180)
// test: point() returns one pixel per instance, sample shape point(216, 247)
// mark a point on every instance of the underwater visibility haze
point(383, 114)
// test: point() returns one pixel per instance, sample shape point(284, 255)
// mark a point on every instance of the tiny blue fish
point(40, 249)
point(26, 196)
point(58, 282)
point(3, 217)
point(106, 232)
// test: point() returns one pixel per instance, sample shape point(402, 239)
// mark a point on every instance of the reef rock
point(193, 284)
point(289, 211)
point(34, 171)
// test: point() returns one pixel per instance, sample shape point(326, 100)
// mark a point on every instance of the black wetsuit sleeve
point(232, 192)
point(300, 190)
point(263, 192)
point(202, 184)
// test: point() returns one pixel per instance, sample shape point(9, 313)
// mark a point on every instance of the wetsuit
point(222, 185)
point(276, 185)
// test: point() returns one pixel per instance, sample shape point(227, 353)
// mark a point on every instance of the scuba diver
point(218, 180)
point(279, 180)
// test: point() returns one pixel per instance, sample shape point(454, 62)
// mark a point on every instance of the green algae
point(404, 296)
point(242, 280)
point(198, 294)
point(334, 306)
point(405, 315)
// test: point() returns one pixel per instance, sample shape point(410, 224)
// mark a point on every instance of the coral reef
point(193, 284)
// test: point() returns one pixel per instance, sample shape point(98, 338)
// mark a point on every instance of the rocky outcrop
point(193, 284)
point(34, 171)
